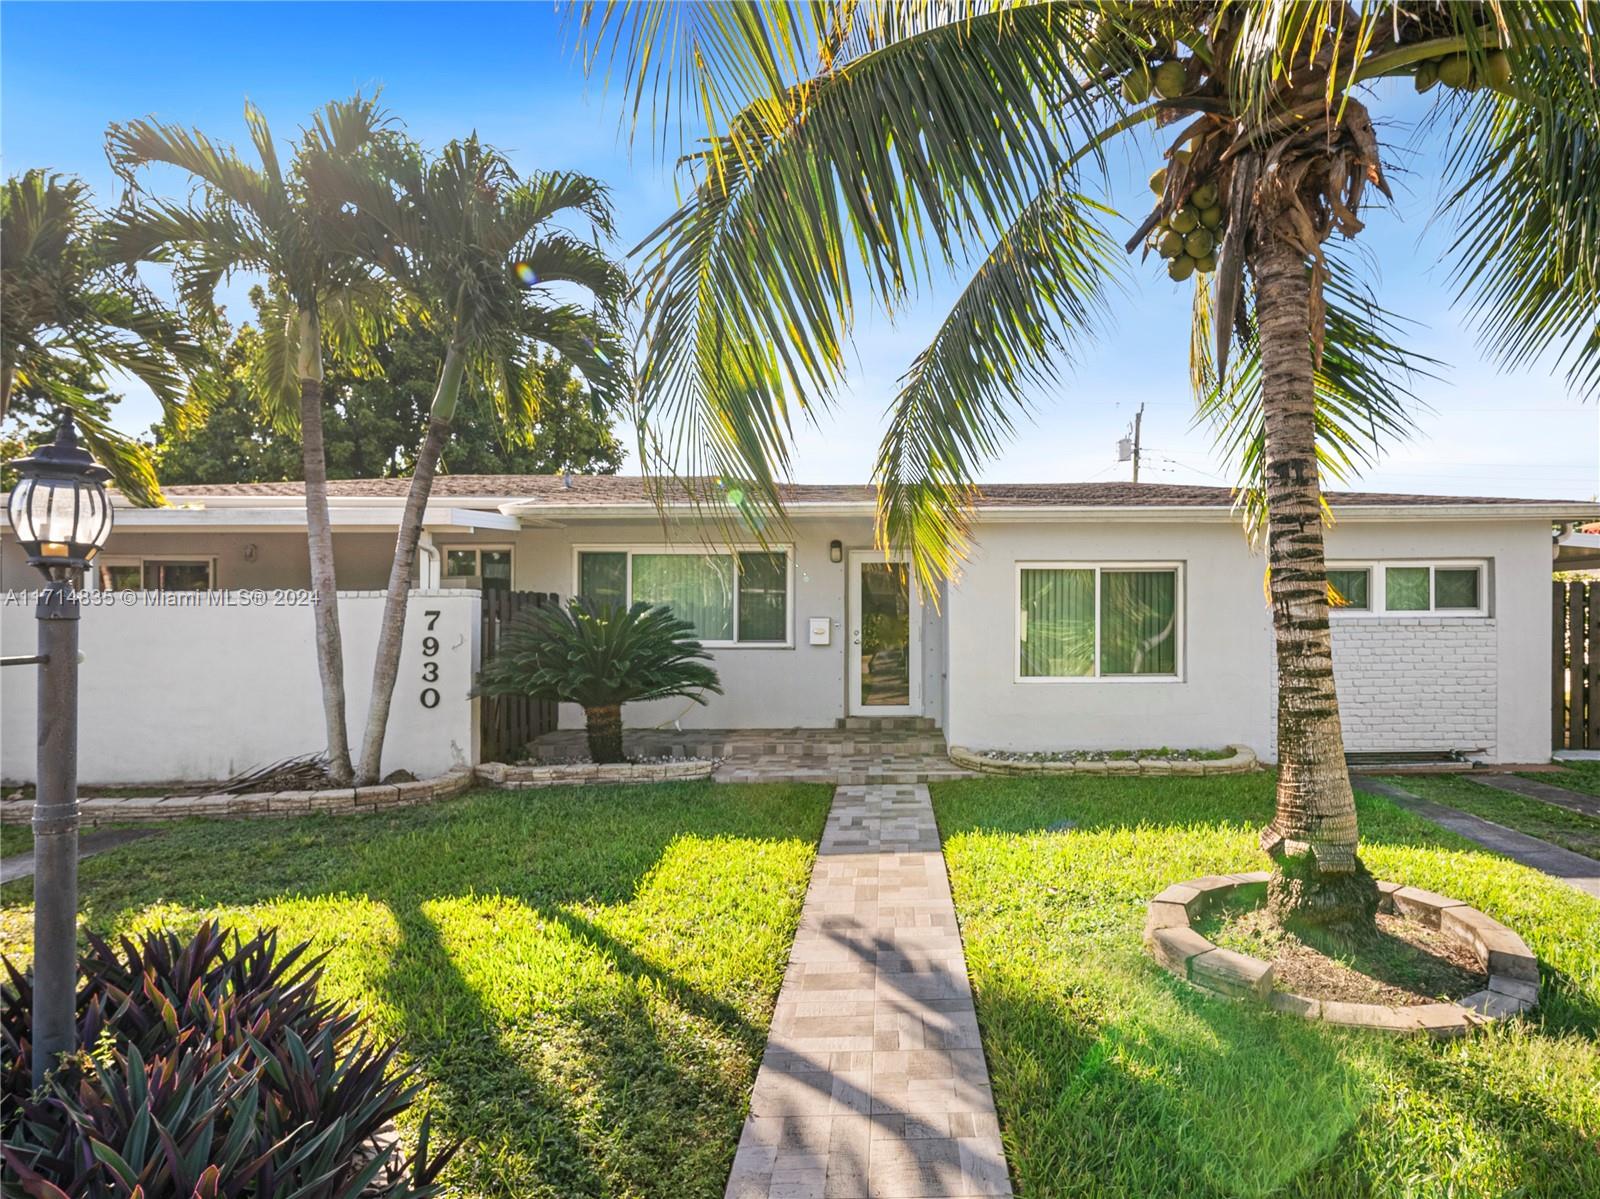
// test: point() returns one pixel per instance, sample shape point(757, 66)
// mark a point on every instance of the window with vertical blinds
point(739, 598)
point(1088, 621)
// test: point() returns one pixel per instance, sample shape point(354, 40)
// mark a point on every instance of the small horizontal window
point(1408, 588)
point(157, 574)
point(488, 570)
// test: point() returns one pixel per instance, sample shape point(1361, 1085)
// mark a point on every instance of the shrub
point(600, 656)
point(208, 1068)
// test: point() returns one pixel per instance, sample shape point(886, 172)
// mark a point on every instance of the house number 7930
point(430, 665)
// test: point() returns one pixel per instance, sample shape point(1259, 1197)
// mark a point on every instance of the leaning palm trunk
point(319, 539)
point(1318, 879)
point(392, 629)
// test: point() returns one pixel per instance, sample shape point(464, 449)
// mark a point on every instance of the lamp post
point(61, 517)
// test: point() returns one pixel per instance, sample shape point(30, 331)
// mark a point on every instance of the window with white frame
point(1439, 588)
point(1098, 620)
point(476, 566)
point(157, 574)
point(737, 597)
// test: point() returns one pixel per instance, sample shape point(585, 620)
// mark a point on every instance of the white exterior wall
point(793, 686)
point(1426, 682)
point(1221, 697)
point(201, 693)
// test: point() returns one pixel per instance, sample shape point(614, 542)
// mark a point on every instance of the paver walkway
point(1575, 801)
point(1571, 868)
point(874, 1082)
point(89, 843)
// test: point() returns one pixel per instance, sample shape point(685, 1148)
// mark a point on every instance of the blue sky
point(509, 71)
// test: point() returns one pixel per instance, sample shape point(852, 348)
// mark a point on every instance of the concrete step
point(880, 723)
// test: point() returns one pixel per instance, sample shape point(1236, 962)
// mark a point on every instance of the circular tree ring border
point(1512, 968)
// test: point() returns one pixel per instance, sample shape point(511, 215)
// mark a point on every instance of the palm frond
point(1365, 398)
point(1030, 303)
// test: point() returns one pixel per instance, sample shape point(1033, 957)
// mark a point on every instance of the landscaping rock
point(1516, 988)
point(1165, 915)
point(1232, 973)
point(1175, 947)
point(1422, 906)
point(1295, 1005)
point(1370, 1015)
point(1492, 1005)
point(1442, 1020)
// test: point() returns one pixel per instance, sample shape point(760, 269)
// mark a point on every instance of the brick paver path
point(873, 1082)
point(1574, 801)
point(1574, 869)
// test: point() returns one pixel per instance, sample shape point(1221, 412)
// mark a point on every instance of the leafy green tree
point(476, 251)
point(374, 425)
point(68, 316)
point(259, 217)
point(860, 148)
point(600, 656)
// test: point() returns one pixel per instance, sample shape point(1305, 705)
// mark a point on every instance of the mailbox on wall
point(821, 630)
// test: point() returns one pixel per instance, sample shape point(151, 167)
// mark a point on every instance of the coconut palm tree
point(67, 316)
point(260, 218)
point(481, 256)
point(862, 147)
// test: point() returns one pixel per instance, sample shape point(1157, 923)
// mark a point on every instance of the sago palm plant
point(862, 147)
point(600, 656)
point(480, 255)
point(68, 316)
point(276, 221)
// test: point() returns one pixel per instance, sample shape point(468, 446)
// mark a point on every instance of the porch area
point(860, 752)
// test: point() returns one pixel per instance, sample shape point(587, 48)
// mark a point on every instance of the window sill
point(1079, 680)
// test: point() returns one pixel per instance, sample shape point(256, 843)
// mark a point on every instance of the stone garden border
point(128, 809)
point(136, 808)
point(1243, 759)
point(556, 774)
point(1512, 968)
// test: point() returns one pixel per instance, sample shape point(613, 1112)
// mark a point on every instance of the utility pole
point(1138, 420)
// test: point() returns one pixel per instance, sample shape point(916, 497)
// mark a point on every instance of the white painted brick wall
point(1412, 684)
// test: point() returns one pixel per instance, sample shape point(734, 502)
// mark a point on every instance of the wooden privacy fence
point(1575, 666)
point(509, 722)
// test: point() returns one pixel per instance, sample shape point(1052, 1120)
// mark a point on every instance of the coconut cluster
point(1456, 71)
point(1188, 239)
point(1166, 78)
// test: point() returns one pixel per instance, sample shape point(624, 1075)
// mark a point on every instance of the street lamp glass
point(59, 510)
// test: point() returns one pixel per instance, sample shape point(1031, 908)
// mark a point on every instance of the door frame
point(853, 704)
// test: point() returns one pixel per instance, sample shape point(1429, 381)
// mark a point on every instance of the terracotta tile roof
point(624, 489)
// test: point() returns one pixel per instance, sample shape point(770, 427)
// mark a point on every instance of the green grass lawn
point(1574, 776)
point(582, 976)
point(1114, 1079)
point(1559, 826)
point(15, 839)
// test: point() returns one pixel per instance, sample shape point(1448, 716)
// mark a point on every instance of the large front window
point(737, 598)
point(1097, 621)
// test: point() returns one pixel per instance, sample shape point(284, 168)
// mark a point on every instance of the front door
point(885, 657)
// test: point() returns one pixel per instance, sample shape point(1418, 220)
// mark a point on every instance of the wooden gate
point(1575, 666)
point(508, 722)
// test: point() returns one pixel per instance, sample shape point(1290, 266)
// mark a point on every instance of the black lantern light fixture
point(59, 509)
point(61, 515)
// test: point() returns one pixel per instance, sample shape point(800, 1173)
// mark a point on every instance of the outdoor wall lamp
point(62, 518)
point(835, 551)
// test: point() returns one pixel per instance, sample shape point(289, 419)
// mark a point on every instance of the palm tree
point(862, 147)
point(476, 251)
point(67, 316)
point(278, 223)
point(600, 656)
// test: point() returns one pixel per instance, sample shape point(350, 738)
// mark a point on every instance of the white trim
point(856, 559)
point(477, 549)
point(1378, 589)
point(630, 548)
point(1179, 625)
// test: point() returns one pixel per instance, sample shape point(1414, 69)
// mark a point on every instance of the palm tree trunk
point(8, 379)
point(386, 668)
point(603, 728)
point(319, 540)
point(1317, 878)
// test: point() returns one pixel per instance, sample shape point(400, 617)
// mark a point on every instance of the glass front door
point(884, 659)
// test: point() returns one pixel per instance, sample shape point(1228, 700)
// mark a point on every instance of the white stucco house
point(1086, 616)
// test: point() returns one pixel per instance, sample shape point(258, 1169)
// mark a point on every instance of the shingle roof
point(625, 489)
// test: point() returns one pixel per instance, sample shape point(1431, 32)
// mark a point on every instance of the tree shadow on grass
point(623, 1077)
